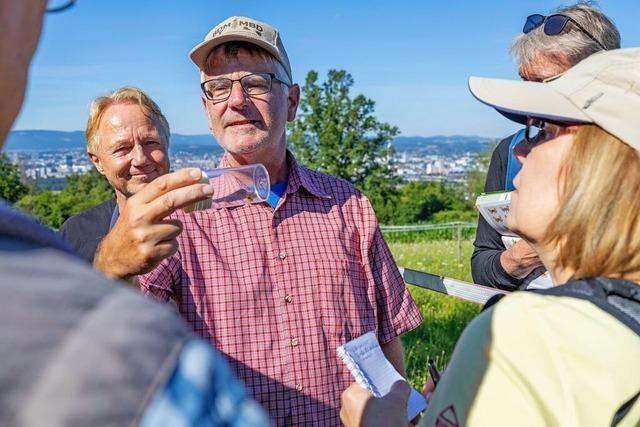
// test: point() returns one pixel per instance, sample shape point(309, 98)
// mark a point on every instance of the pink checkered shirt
point(278, 290)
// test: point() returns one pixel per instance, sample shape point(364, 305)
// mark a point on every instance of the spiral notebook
point(371, 369)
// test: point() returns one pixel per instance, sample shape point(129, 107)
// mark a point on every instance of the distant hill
point(442, 145)
point(44, 140)
point(49, 140)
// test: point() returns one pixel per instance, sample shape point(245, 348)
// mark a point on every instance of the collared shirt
point(278, 290)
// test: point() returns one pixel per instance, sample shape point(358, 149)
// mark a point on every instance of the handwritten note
point(371, 369)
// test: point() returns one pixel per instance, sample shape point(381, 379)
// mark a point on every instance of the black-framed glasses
point(59, 5)
point(538, 131)
point(554, 25)
point(219, 89)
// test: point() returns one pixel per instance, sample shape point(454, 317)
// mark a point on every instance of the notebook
point(371, 369)
point(494, 207)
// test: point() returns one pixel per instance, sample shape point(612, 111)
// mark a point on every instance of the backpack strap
point(624, 409)
point(619, 298)
point(513, 164)
point(492, 301)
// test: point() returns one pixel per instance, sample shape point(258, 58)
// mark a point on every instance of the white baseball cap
point(603, 89)
point(240, 28)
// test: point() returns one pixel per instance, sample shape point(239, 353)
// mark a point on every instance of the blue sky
point(412, 57)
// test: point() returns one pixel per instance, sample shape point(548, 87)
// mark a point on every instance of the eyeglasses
point(218, 90)
point(58, 5)
point(537, 132)
point(554, 25)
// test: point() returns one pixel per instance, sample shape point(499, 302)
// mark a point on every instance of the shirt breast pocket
point(346, 299)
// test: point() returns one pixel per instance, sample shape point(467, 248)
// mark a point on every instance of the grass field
point(444, 317)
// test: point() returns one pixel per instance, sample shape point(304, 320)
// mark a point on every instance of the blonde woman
point(569, 356)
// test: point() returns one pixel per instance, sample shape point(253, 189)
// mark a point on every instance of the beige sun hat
point(240, 28)
point(603, 89)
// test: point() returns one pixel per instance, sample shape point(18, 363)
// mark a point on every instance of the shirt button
point(299, 387)
point(282, 255)
point(288, 299)
point(293, 342)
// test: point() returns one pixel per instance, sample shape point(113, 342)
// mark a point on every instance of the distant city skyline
point(412, 58)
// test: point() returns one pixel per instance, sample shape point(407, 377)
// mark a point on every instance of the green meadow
point(445, 317)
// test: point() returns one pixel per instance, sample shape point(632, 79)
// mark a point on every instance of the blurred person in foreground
point(548, 46)
point(76, 348)
point(566, 356)
point(278, 285)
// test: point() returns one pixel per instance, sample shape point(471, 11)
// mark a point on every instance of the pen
point(433, 372)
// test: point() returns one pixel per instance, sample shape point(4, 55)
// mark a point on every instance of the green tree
point(11, 186)
point(420, 201)
point(80, 193)
point(477, 175)
point(340, 135)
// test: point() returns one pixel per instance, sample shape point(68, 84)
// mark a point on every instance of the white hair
point(572, 45)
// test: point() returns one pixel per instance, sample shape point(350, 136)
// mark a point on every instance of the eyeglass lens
point(533, 131)
point(555, 24)
point(532, 22)
point(252, 84)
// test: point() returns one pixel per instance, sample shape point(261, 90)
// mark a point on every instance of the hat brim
point(518, 100)
point(200, 53)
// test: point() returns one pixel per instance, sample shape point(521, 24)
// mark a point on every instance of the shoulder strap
point(619, 298)
point(513, 164)
point(492, 301)
point(624, 409)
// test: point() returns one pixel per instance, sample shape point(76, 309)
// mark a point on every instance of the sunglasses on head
point(554, 25)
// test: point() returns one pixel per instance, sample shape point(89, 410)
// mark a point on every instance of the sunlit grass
point(444, 317)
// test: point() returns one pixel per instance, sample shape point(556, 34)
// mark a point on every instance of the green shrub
point(445, 317)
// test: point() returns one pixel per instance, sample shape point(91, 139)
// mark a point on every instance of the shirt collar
point(298, 177)
point(301, 177)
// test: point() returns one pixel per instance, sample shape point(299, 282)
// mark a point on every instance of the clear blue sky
point(412, 57)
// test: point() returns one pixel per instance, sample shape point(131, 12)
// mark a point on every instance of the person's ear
point(96, 162)
point(293, 100)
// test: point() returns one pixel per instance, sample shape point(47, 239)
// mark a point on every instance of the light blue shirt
point(203, 392)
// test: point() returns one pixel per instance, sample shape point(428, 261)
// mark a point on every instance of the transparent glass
point(235, 186)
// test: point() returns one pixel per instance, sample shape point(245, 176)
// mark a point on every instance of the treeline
point(334, 132)
point(338, 133)
point(53, 207)
point(409, 203)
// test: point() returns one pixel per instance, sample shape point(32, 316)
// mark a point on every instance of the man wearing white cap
point(278, 285)
point(566, 356)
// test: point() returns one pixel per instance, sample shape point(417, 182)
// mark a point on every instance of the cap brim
point(518, 99)
point(200, 53)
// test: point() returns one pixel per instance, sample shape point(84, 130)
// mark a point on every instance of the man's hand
point(142, 238)
point(360, 408)
point(520, 259)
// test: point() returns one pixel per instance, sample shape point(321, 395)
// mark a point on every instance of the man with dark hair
point(277, 286)
point(548, 46)
point(76, 348)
